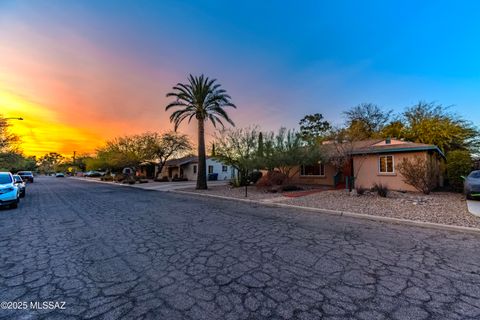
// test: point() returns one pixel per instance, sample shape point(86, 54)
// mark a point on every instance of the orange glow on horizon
point(42, 131)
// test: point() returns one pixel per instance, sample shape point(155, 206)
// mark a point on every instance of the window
point(385, 164)
point(195, 169)
point(210, 169)
point(313, 170)
point(5, 178)
point(224, 168)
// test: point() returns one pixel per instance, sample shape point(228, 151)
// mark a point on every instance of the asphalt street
point(98, 251)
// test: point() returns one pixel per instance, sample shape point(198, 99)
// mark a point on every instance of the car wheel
point(22, 195)
point(469, 197)
point(14, 205)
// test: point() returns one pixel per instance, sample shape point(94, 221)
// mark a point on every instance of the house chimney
point(388, 140)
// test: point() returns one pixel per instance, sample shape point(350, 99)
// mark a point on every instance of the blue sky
point(279, 60)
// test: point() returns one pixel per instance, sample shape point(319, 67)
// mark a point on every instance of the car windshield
point(5, 178)
point(474, 175)
point(25, 173)
point(17, 178)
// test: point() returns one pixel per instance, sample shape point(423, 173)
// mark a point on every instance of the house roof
point(394, 146)
point(182, 161)
point(377, 146)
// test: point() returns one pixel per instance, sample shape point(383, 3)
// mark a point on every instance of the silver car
point(472, 185)
point(20, 185)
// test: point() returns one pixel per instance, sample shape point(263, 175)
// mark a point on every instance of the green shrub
point(459, 163)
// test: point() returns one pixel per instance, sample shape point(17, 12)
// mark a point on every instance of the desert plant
point(459, 163)
point(360, 190)
point(106, 178)
point(119, 177)
point(381, 189)
point(420, 173)
point(271, 179)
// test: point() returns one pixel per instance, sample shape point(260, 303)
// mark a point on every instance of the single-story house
point(370, 162)
point(186, 168)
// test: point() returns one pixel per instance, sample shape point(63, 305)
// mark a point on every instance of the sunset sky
point(80, 72)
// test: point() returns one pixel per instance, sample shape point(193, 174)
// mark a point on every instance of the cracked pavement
point(123, 253)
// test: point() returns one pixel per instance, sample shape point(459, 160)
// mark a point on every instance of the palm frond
point(202, 98)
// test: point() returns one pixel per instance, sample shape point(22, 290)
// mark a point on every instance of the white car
point(9, 192)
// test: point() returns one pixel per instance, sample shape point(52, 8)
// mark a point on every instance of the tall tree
point(203, 99)
point(8, 141)
point(285, 151)
point(433, 124)
point(50, 162)
point(127, 151)
point(169, 145)
point(366, 120)
point(313, 127)
point(260, 145)
point(239, 149)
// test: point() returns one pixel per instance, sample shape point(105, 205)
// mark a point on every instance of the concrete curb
point(318, 210)
point(344, 213)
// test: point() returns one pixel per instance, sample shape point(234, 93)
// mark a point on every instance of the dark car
point(472, 185)
point(27, 176)
point(20, 185)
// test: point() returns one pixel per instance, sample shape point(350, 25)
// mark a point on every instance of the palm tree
point(203, 99)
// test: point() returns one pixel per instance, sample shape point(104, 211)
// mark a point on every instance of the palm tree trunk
point(202, 158)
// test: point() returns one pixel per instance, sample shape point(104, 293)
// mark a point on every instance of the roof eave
point(399, 150)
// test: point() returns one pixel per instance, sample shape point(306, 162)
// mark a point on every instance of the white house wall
point(217, 168)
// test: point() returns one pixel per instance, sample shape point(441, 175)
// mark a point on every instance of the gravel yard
point(438, 207)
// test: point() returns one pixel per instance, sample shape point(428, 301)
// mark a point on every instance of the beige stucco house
point(370, 162)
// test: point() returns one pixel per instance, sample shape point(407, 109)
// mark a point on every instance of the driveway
point(124, 253)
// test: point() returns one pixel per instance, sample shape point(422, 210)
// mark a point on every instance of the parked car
point(27, 176)
point(18, 181)
point(59, 175)
point(93, 174)
point(472, 185)
point(9, 193)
